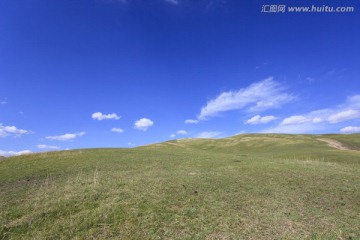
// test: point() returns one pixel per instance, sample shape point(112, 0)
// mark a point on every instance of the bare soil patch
point(335, 144)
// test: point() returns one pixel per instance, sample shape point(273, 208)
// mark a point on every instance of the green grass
point(243, 187)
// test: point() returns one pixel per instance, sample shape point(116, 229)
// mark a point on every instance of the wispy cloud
point(191, 121)
point(14, 153)
point(261, 65)
point(117, 130)
point(175, 2)
point(353, 101)
point(350, 129)
point(215, 4)
point(341, 113)
point(100, 116)
point(180, 132)
point(295, 120)
point(208, 135)
point(344, 116)
point(3, 101)
point(65, 137)
point(11, 130)
point(260, 120)
point(143, 124)
point(319, 119)
point(257, 97)
point(44, 146)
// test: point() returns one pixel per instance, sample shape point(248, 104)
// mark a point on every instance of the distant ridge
point(266, 142)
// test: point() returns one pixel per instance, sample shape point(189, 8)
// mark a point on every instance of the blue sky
point(116, 73)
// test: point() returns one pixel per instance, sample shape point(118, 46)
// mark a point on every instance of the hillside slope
point(276, 144)
point(243, 187)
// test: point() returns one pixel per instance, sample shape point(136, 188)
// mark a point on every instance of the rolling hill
point(250, 186)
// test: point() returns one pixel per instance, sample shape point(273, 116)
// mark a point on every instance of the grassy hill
point(243, 187)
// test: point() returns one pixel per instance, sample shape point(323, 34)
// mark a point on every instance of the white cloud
point(344, 112)
point(14, 130)
point(3, 101)
point(260, 120)
point(208, 135)
point(117, 130)
point(319, 120)
point(294, 120)
point(11, 130)
point(99, 116)
point(66, 137)
point(344, 116)
point(13, 153)
point(350, 129)
point(353, 101)
point(44, 146)
point(191, 121)
point(175, 2)
point(3, 133)
point(181, 132)
point(332, 116)
point(260, 96)
point(143, 124)
point(275, 101)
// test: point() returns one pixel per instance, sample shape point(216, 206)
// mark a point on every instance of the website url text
point(312, 9)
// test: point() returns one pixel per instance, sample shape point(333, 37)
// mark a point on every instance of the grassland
point(242, 187)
